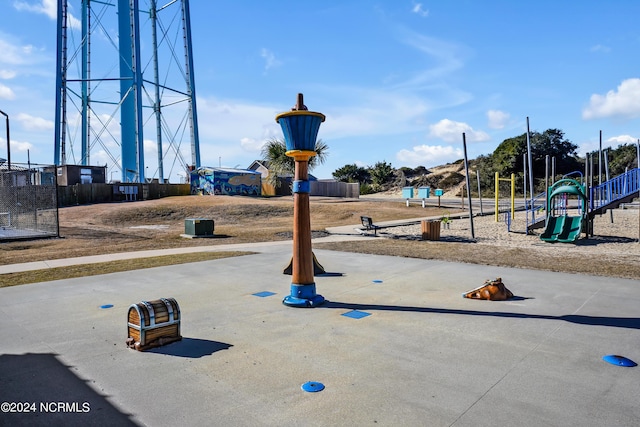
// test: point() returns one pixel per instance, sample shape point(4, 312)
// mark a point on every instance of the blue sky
point(398, 80)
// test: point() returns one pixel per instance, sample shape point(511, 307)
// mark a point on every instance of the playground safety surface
point(395, 344)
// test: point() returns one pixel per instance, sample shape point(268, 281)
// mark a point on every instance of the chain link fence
point(28, 202)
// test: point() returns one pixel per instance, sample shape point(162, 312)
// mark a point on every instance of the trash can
point(430, 230)
point(407, 192)
point(423, 192)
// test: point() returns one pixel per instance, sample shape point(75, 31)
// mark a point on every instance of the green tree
point(381, 174)
point(553, 143)
point(621, 158)
point(281, 165)
point(420, 170)
point(408, 172)
point(351, 173)
point(509, 155)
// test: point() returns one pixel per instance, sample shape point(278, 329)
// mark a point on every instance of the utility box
point(198, 227)
point(407, 192)
point(423, 192)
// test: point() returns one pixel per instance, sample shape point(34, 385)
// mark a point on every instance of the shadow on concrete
point(616, 322)
point(517, 298)
point(193, 348)
point(329, 274)
point(54, 395)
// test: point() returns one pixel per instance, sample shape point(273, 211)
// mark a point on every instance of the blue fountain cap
point(300, 128)
point(312, 386)
point(617, 360)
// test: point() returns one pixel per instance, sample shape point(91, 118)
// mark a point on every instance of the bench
point(368, 224)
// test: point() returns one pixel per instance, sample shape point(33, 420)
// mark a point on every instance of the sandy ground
point(616, 234)
point(611, 239)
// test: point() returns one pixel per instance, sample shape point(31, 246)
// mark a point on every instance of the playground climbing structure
point(566, 211)
point(572, 206)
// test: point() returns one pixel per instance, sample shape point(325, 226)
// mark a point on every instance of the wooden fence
point(82, 194)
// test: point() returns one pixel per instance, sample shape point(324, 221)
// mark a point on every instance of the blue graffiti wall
point(231, 182)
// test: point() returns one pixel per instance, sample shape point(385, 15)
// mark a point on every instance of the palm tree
point(281, 165)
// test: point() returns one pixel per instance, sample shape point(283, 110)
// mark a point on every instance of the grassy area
point(82, 270)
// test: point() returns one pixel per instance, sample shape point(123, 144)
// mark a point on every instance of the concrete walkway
point(394, 345)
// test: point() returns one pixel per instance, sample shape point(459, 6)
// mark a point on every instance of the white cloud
point(445, 55)
point(497, 119)
point(270, 60)
point(20, 59)
point(12, 54)
point(615, 141)
point(429, 155)
point(6, 92)
point(7, 74)
point(48, 8)
point(20, 145)
point(150, 148)
point(418, 9)
point(451, 131)
point(361, 112)
point(251, 144)
point(34, 123)
point(234, 129)
point(625, 102)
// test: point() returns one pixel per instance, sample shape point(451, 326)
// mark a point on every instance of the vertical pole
point(156, 79)
point(591, 169)
point(497, 195)
point(191, 86)
point(587, 192)
point(531, 187)
point(524, 183)
point(86, 61)
point(479, 192)
point(300, 128)
point(466, 168)
point(302, 271)
point(61, 76)
point(137, 88)
point(608, 188)
point(8, 140)
point(546, 181)
point(128, 102)
point(600, 161)
point(513, 196)
point(546, 173)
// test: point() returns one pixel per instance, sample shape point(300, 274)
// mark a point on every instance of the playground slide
point(553, 230)
point(571, 230)
point(564, 229)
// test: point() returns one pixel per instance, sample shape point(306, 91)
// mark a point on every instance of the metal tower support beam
point(156, 78)
point(61, 66)
point(130, 91)
point(137, 86)
point(86, 75)
point(191, 86)
point(120, 70)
